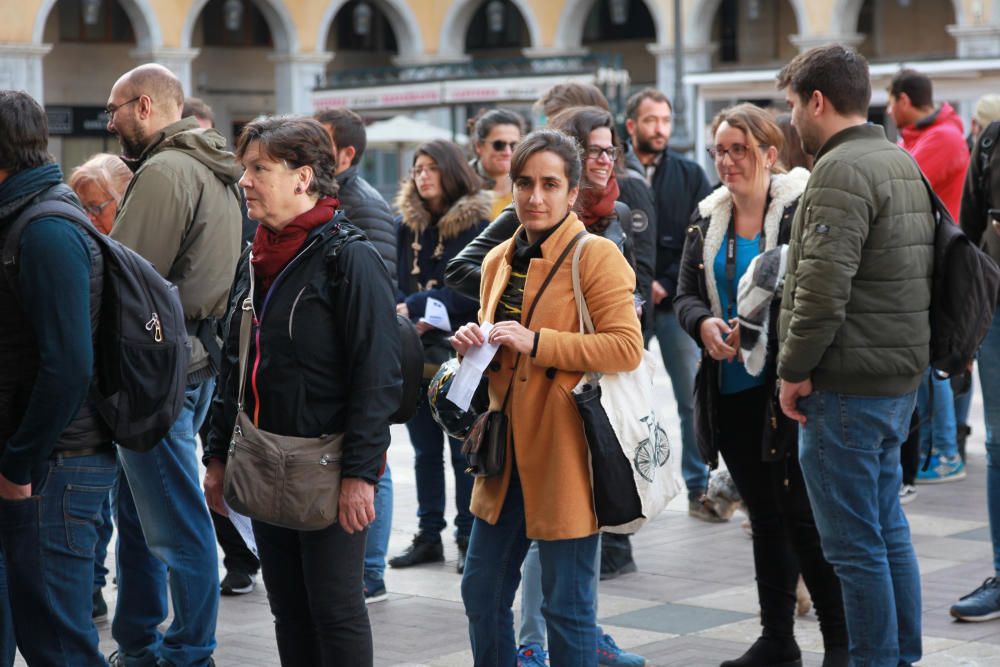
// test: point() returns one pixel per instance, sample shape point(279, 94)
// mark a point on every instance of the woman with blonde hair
point(100, 183)
point(748, 219)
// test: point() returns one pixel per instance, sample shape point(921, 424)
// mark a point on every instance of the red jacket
point(937, 143)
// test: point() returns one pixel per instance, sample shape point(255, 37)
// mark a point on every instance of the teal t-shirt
point(734, 377)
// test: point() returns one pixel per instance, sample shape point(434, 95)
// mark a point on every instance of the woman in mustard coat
point(544, 492)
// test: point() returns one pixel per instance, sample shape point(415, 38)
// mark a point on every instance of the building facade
point(249, 57)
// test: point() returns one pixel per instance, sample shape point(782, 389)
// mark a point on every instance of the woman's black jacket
point(329, 350)
point(465, 269)
point(692, 307)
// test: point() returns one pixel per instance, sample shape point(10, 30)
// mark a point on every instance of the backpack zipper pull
point(154, 325)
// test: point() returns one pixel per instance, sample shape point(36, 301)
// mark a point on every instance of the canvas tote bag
point(632, 472)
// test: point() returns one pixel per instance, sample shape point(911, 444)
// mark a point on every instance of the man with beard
point(677, 185)
point(182, 213)
point(853, 344)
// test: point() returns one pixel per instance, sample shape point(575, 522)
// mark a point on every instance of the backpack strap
point(49, 208)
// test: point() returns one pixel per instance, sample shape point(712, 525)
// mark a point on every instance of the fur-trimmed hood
point(717, 209)
point(467, 212)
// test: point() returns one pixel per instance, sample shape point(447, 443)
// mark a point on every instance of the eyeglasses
point(736, 152)
point(595, 152)
point(499, 145)
point(111, 110)
point(96, 209)
point(430, 169)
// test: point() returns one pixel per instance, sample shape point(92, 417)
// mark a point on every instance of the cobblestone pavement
point(692, 602)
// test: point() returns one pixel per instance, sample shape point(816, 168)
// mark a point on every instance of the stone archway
point(569, 33)
point(401, 18)
point(145, 23)
point(451, 44)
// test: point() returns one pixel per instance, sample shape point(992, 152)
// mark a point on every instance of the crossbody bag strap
point(246, 324)
point(538, 297)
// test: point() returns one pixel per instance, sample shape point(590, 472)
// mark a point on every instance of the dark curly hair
point(300, 142)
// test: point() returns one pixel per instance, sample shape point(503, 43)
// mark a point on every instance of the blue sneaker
point(375, 591)
point(609, 655)
point(982, 604)
point(942, 469)
point(532, 655)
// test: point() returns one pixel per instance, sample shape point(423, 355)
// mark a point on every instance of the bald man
point(182, 213)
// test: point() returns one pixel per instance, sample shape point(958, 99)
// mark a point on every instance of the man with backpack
point(934, 136)
point(182, 213)
point(981, 194)
point(854, 337)
point(57, 462)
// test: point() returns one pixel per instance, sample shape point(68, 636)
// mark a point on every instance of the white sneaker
point(907, 493)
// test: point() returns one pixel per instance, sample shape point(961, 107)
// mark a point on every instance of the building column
point(21, 68)
point(177, 61)
point(295, 77)
point(976, 41)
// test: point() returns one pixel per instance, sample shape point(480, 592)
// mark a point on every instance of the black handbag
point(485, 447)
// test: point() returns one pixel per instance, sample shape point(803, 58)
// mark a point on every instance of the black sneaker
point(463, 548)
point(236, 583)
point(100, 607)
point(116, 659)
point(422, 550)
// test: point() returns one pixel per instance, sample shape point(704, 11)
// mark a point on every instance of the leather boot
point(424, 549)
point(769, 652)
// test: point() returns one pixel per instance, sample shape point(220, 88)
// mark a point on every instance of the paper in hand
point(470, 372)
point(243, 527)
point(436, 315)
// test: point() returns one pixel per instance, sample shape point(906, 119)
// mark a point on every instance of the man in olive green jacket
point(854, 344)
point(182, 213)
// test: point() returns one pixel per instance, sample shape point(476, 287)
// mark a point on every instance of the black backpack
point(142, 346)
point(411, 354)
point(963, 293)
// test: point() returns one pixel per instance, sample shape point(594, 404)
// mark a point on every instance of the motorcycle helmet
point(455, 421)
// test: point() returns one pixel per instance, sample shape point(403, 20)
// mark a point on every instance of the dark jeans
point(785, 539)
point(493, 572)
point(428, 445)
point(314, 582)
point(237, 557)
point(47, 561)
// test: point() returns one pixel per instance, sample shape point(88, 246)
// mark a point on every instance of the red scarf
point(273, 250)
point(595, 204)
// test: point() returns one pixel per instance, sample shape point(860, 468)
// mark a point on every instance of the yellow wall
point(17, 19)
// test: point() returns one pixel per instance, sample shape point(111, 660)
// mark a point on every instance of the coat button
point(495, 366)
point(774, 451)
point(701, 266)
point(550, 372)
point(524, 379)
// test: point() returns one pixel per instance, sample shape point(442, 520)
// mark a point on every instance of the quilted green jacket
point(854, 317)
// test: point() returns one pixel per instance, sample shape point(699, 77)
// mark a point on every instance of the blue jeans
point(103, 539)
point(989, 380)
point(492, 574)
point(680, 358)
point(163, 523)
point(937, 432)
point(378, 531)
point(47, 563)
point(428, 446)
point(532, 630)
point(849, 451)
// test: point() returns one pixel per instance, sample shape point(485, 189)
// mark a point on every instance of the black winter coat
point(678, 185)
point(328, 359)
point(366, 209)
point(464, 271)
point(694, 303)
